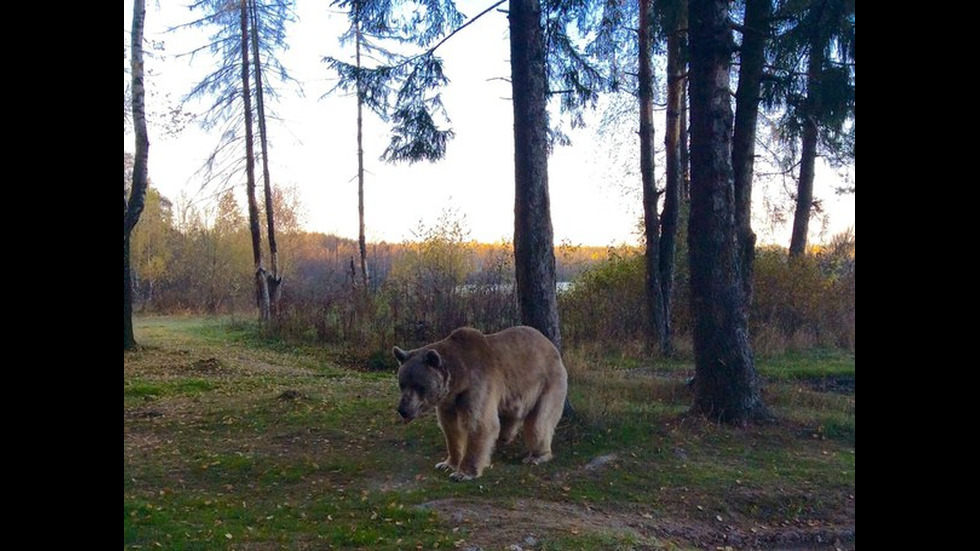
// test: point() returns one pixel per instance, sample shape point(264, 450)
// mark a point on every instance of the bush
point(797, 303)
point(806, 301)
point(607, 301)
point(432, 285)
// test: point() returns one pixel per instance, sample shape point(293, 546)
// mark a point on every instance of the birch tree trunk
point(137, 195)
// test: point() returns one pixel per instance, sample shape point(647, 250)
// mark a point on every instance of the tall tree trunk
point(274, 280)
point(752, 59)
point(129, 338)
point(673, 144)
point(685, 142)
point(534, 252)
point(361, 241)
point(137, 195)
point(261, 282)
point(726, 386)
point(651, 220)
point(808, 153)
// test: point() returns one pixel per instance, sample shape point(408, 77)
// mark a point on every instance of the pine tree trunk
point(726, 386)
point(673, 184)
point(808, 151)
point(752, 59)
point(534, 253)
point(361, 241)
point(261, 282)
point(685, 144)
point(274, 280)
point(137, 195)
point(651, 220)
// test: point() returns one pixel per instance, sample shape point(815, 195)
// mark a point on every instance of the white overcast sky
point(313, 148)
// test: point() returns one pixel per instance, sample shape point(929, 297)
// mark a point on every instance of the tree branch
point(461, 27)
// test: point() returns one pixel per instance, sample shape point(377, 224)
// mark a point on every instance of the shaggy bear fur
point(485, 388)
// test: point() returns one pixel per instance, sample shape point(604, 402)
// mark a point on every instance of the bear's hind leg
point(539, 427)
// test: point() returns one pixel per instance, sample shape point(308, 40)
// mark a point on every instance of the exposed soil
point(520, 524)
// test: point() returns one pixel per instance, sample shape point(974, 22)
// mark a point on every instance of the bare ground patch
point(523, 523)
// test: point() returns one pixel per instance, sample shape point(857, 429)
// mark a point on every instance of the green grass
point(219, 455)
point(145, 389)
point(810, 364)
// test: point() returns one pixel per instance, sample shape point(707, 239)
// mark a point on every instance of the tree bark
point(261, 282)
point(129, 338)
point(752, 60)
point(534, 252)
point(651, 221)
point(274, 279)
point(726, 385)
point(361, 241)
point(808, 152)
point(684, 145)
point(137, 195)
point(673, 145)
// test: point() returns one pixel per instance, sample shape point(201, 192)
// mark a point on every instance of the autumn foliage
point(188, 258)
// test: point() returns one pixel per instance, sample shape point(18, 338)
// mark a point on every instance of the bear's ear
point(432, 358)
point(400, 355)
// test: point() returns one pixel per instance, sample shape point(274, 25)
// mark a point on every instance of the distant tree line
point(194, 257)
point(188, 259)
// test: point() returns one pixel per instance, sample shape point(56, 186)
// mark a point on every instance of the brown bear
point(484, 389)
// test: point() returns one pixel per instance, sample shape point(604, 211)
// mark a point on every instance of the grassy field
point(235, 442)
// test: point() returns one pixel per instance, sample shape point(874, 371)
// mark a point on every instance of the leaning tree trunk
point(672, 186)
point(137, 195)
point(752, 60)
point(726, 387)
point(534, 252)
point(808, 151)
point(651, 220)
point(261, 282)
point(274, 279)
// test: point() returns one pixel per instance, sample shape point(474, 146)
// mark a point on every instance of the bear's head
point(424, 381)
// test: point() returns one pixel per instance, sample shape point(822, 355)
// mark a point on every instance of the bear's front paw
point(460, 477)
point(532, 459)
point(444, 466)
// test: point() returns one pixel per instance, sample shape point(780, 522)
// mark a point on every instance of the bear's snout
point(407, 414)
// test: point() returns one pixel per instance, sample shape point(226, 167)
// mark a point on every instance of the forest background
point(279, 431)
point(191, 249)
